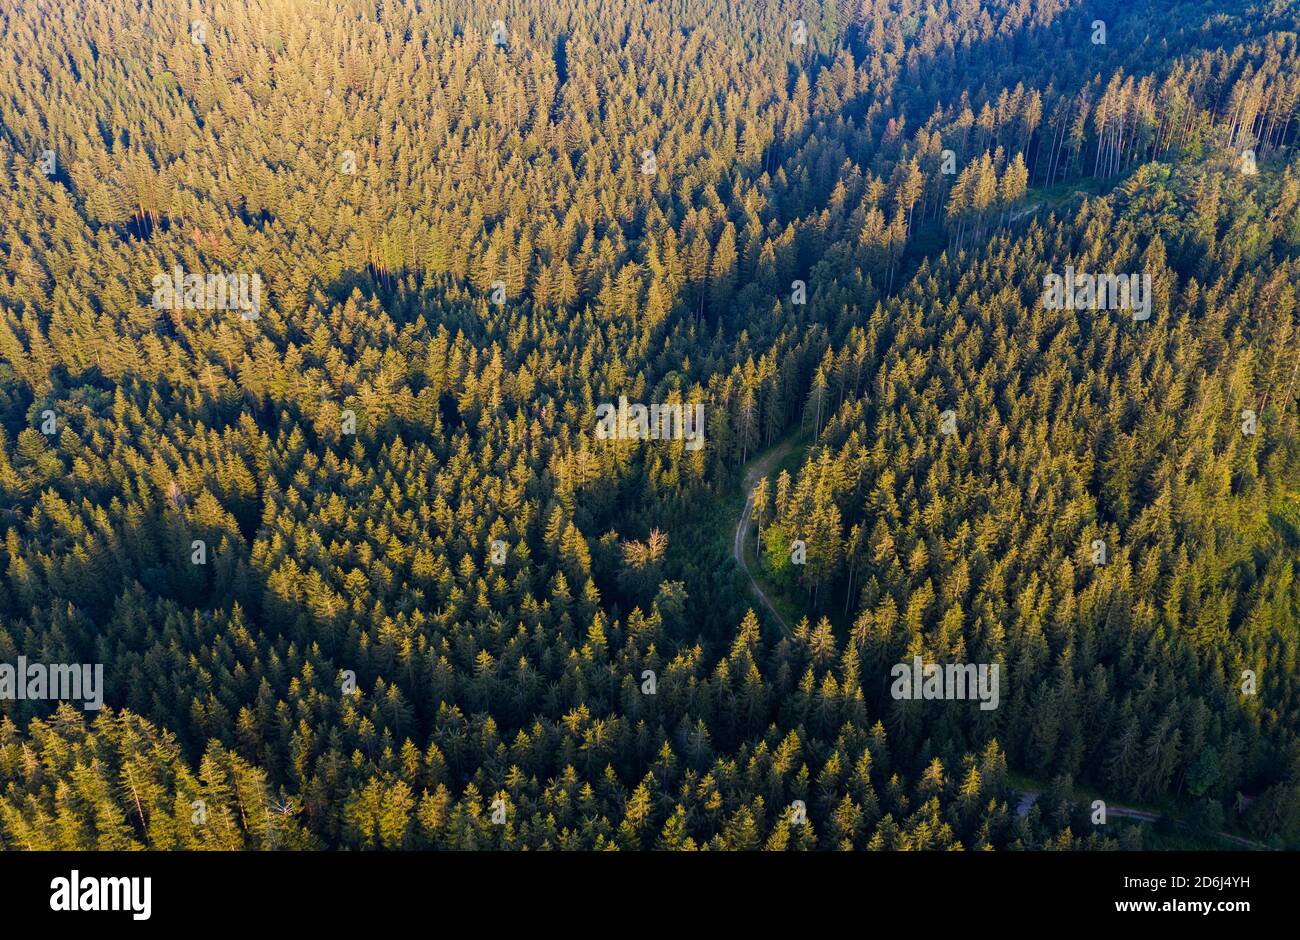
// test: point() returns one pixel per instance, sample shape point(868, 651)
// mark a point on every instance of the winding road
point(761, 466)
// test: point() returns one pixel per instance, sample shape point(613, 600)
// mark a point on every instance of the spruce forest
point(364, 567)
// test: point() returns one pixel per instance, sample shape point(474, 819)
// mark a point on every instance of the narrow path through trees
point(759, 467)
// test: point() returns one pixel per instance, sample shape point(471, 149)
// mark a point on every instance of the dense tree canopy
point(426, 597)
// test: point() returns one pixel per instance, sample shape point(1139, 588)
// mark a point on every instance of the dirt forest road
point(1025, 799)
point(760, 467)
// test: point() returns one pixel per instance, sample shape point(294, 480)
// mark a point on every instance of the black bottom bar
point(295, 890)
